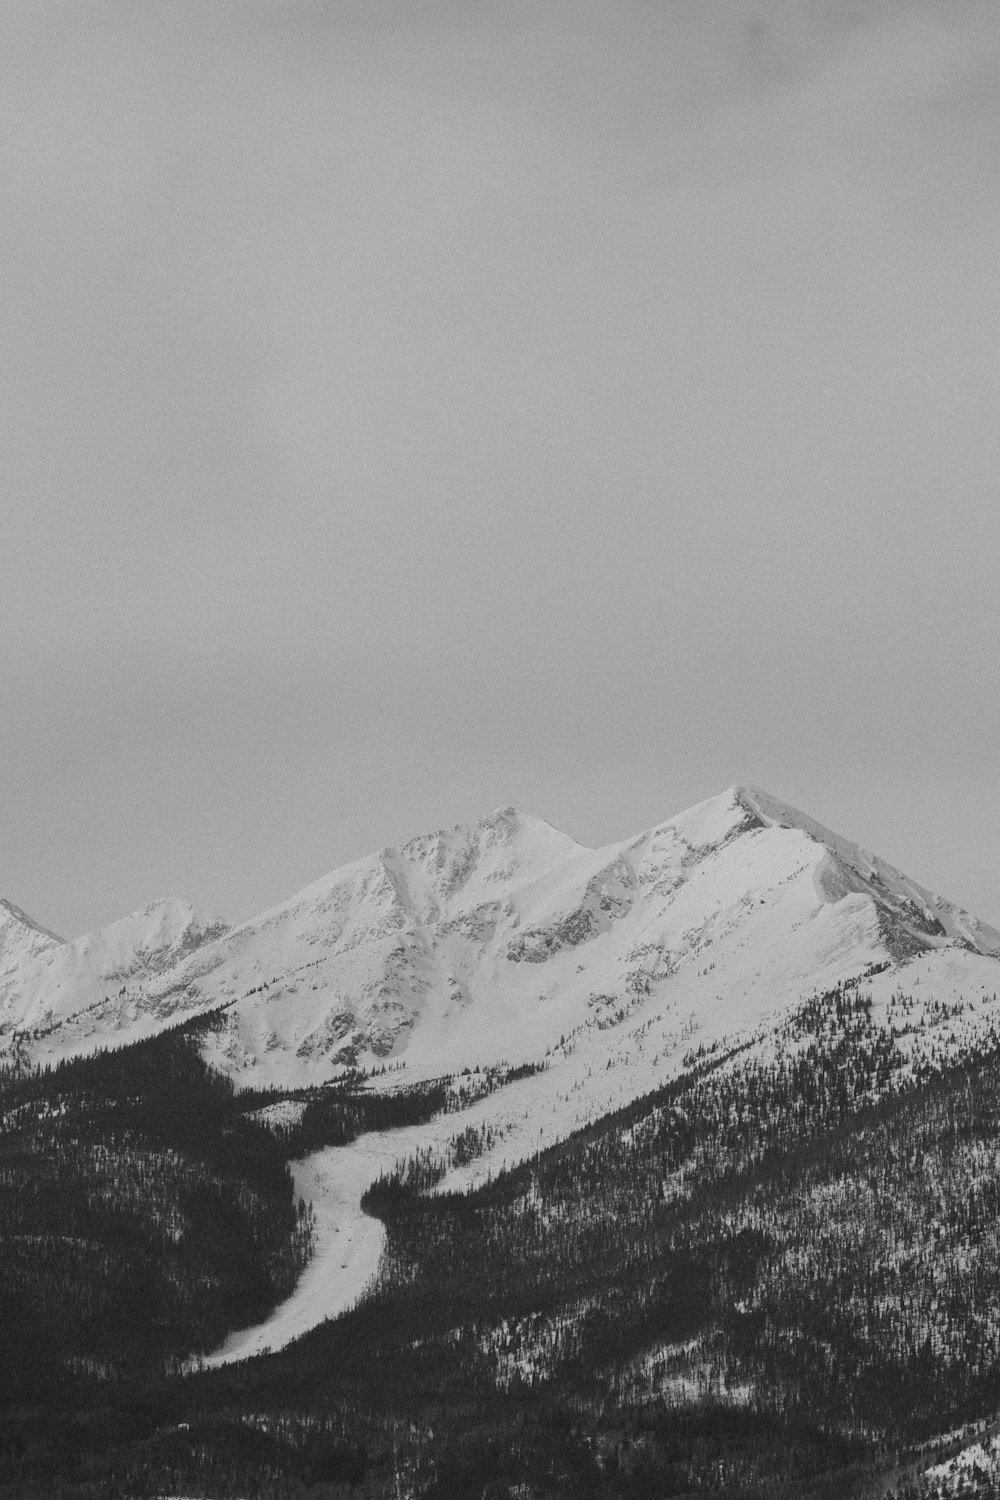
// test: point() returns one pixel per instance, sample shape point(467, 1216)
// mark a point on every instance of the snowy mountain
point(726, 1093)
point(21, 939)
point(99, 982)
point(490, 941)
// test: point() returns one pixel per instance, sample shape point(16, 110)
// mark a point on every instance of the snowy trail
point(348, 1243)
point(348, 1248)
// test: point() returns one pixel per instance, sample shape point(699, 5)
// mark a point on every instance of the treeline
point(338, 1113)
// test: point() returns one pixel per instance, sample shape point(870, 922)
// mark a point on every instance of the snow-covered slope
point(99, 982)
point(491, 941)
point(21, 939)
point(911, 914)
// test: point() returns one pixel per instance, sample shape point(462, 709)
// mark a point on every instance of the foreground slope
point(142, 1214)
point(773, 1276)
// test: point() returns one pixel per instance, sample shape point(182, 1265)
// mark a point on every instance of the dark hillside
point(768, 1279)
point(141, 1216)
point(764, 1280)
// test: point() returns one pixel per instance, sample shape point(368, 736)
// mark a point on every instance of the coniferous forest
point(767, 1279)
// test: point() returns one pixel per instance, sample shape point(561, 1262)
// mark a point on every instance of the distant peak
point(895, 892)
point(511, 821)
point(171, 904)
point(175, 912)
point(502, 822)
point(26, 921)
point(510, 818)
point(158, 923)
point(499, 815)
point(771, 809)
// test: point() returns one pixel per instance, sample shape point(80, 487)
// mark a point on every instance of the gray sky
point(411, 407)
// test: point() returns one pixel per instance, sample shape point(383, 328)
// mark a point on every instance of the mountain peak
point(25, 921)
point(22, 938)
point(510, 817)
point(44, 980)
point(511, 822)
point(159, 932)
point(499, 935)
point(774, 811)
point(921, 912)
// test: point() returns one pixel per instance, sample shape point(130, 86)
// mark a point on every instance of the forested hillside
point(142, 1216)
point(772, 1277)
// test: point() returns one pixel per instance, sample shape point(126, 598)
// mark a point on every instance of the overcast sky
point(415, 406)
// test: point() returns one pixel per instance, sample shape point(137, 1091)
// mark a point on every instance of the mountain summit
point(21, 939)
point(492, 940)
point(912, 914)
point(55, 982)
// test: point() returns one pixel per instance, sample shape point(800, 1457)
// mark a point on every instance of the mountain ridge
point(61, 979)
point(466, 944)
point(21, 938)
